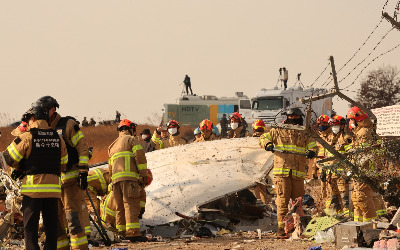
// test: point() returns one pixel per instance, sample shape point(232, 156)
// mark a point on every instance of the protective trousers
point(364, 208)
point(260, 192)
point(95, 200)
point(379, 204)
point(343, 187)
point(286, 188)
point(73, 204)
point(31, 208)
point(334, 200)
point(127, 199)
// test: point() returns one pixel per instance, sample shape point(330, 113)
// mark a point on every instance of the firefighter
point(342, 145)
point(148, 145)
point(98, 181)
point(260, 191)
point(174, 138)
point(206, 130)
point(329, 187)
point(108, 205)
point(73, 179)
point(362, 194)
point(289, 169)
point(197, 134)
point(128, 168)
point(236, 125)
point(38, 157)
point(259, 128)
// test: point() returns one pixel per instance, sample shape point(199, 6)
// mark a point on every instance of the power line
point(320, 75)
point(395, 47)
point(367, 55)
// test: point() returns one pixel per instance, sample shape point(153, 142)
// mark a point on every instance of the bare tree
point(380, 88)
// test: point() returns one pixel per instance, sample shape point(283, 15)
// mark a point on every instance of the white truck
point(269, 104)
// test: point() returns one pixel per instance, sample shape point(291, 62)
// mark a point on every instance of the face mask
point(352, 125)
point(323, 127)
point(144, 137)
point(336, 129)
point(298, 121)
point(172, 131)
point(234, 125)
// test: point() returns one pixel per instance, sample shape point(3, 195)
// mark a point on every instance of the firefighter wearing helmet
point(362, 195)
point(259, 128)
point(174, 137)
point(38, 166)
point(128, 167)
point(342, 144)
point(108, 205)
point(329, 188)
point(73, 179)
point(289, 169)
point(236, 125)
point(206, 130)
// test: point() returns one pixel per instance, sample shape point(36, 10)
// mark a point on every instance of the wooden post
point(334, 73)
point(391, 20)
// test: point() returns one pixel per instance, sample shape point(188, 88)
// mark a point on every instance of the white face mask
point(335, 129)
point(352, 125)
point(234, 125)
point(172, 131)
point(144, 137)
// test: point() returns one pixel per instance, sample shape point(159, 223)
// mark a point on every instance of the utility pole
point(391, 20)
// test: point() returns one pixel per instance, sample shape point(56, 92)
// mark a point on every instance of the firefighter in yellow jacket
point(73, 179)
point(206, 130)
point(289, 169)
point(38, 156)
point(98, 181)
point(342, 145)
point(362, 194)
point(128, 168)
point(174, 139)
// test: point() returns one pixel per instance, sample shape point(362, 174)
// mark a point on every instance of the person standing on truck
point(38, 166)
point(188, 85)
point(289, 169)
point(285, 77)
point(174, 138)
point(224, 126)
point(236, 125)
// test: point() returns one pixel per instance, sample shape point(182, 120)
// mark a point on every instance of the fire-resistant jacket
point(127, 159)
point(207, 136)
point(98, 180)
point(75, 138)
point(291, 141)
point(235, 133)
point(171, 141)
point(19, 151)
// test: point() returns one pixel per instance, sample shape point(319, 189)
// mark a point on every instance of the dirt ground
point(222, 243)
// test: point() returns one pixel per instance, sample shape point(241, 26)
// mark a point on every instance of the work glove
point(269, 146)
point(143, 181)
point(142, 210)
point(82, 180)
point(322, 176)
point(310, 154)
point(16, 174)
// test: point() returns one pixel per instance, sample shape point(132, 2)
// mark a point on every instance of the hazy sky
point(98, 56)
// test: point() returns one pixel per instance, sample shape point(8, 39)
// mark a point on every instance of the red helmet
point(357, 114)
point(173, 124)
point(126, 123)
point(337, 120)
point(22, 127)
point(259, 125)
point(323, 118)
point(236, 117)
point(206, 125)
point(149, 177)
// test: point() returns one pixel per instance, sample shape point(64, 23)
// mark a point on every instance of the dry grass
point(99, 137)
